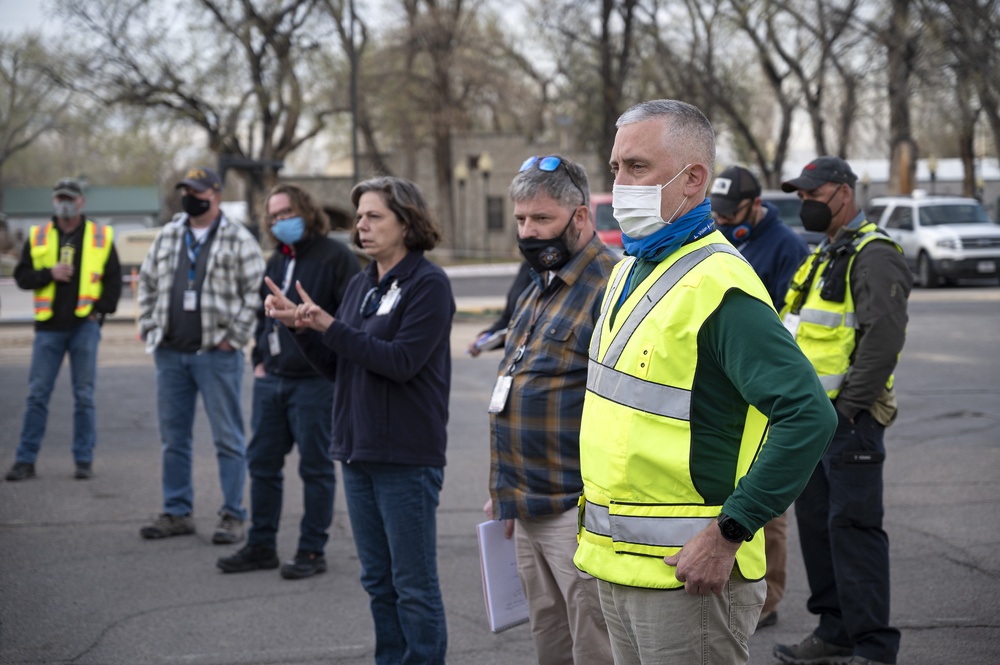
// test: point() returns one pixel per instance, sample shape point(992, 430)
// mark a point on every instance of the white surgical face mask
point(637, 207)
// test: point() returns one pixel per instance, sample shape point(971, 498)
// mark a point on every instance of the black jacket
point(392, 367)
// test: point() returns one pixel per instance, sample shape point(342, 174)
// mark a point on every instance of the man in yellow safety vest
point(71, 265)
point(690, 371)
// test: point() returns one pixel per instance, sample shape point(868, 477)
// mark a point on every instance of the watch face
point(732, 530)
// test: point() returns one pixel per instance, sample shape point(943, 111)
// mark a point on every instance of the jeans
point(46, 358)
point(288, 412)
point(393, 517)
point(218, 375)
point(845, 549)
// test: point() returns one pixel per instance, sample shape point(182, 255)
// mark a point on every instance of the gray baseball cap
point(68, 187)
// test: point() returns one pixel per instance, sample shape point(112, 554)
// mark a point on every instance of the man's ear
point(698, 177)
point(581, 216)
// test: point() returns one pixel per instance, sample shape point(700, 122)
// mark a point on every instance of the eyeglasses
point(377, 295)
point(726, 219)
point(549, 164)
point(371, 302)
point(281, 214)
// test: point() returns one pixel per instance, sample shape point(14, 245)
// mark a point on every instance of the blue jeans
point(218, 375)
point(289, 411)
point(393, 517)
point(46, 358)
point(845, 549)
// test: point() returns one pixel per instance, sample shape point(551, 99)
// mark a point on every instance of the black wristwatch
point(732, 530)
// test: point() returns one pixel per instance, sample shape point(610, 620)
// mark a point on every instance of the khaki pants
point(776, 551)
point(563, 603)
point(670, 627)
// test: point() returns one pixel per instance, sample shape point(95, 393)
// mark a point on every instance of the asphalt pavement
point(78, 584)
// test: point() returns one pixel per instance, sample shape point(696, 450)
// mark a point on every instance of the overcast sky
point(17, 16)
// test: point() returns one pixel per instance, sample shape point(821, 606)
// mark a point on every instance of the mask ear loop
point(662, 187)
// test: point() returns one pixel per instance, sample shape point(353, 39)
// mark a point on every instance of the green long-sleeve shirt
point(745, 355)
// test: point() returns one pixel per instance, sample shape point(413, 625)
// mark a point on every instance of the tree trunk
point(901, 54)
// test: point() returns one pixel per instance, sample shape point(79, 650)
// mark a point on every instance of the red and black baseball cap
point(820, 171)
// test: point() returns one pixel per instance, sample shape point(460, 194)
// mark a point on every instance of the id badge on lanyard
point(273, 338)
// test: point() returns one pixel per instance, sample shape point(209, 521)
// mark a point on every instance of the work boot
point(305, 564)
point(812, 651)
point(165, 525)
point(250, 557)
point(861, 660)
point(228, 531)
point(83, 471)
point(21, 471)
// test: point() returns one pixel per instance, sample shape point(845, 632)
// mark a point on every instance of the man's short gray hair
point(685, 123)
point(566, 184)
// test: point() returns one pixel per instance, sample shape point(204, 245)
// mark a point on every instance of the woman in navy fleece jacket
point(387, 349)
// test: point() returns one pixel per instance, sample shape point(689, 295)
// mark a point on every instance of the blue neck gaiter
point(657, 246)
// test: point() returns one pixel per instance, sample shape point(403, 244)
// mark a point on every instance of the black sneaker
point(21, 471)
point(250, 557)
point(812, 651)
point(83, 471)
point(305, 564)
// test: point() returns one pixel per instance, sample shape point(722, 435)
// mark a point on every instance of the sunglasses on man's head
point(549, 164)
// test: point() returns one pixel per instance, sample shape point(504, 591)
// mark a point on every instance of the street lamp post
point(461, 173)
point(932, 165)
point(485, 166)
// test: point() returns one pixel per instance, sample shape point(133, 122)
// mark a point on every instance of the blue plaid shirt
point(535, 440)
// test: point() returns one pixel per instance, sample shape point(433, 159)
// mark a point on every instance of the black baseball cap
point(730, 188)
point(200, 179)
point(68, 187)
point(820, 171)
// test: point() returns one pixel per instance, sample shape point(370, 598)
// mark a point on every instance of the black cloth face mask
point(194, 206)
point(548, 253)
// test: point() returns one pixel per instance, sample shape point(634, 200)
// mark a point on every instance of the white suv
point(942, 237)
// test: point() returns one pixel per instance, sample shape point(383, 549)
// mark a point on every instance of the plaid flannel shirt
point(230, 294)
point(535, 440)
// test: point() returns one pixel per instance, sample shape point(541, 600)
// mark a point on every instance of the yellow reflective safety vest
point(826, 330)
point(639, 501)
point(97, 240)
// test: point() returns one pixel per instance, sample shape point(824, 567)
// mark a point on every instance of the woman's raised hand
point(309, 313)
point(278, 306)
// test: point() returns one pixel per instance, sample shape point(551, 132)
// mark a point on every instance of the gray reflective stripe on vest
point(595, 339)
point(657, 531)
point(638, 394)
point(663, 284)
point(829, 319)
point(832, 381)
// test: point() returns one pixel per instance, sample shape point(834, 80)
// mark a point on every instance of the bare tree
point(32, 101)
point(595, 61)
point(816, 46)
point(898, 36)
point(971, 31)
point(235, 69)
